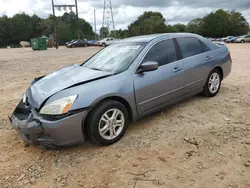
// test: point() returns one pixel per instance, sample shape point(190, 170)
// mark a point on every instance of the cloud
point(126, 11)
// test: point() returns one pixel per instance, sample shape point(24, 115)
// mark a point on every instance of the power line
point(63, 6)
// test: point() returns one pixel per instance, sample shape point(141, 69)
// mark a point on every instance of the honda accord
point(123, 82)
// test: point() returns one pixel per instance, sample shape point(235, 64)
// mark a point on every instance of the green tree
point(180, 27)
point(45, 27)
point(148, 23)
point(104, 32)
point(194, 26)
point(20, 28)
point(216, 24)
point(63, 32)
point(121, 34)
point(170, 29)
point(24, 27)
point(237, 24)
point(224, 23)
point(4, 31)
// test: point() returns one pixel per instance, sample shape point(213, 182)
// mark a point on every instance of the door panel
point(196, 55)
point(196, 72)
point(157, 88)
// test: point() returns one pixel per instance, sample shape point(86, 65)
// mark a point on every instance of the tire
point(73, 46)
point(242, 41)
point(208, 91)
point(104, 45)
point(95, 124)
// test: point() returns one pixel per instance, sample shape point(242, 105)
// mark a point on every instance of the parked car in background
point(92, 43)
point(223, 39)
point(78, 43)
point(243, 39)
point(226, 38)
point(106, 41)
point(127, 80)
point(69, 42)
point(231, 40)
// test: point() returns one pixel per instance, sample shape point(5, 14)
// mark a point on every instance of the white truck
point(106, 41)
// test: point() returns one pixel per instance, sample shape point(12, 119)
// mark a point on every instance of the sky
point(126, 11)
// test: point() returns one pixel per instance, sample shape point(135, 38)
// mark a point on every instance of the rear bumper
point(34, 129)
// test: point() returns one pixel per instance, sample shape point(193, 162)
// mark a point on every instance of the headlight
point(24, 98)
point(58, 107)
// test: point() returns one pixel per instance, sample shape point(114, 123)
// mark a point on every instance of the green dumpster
point(38, 43)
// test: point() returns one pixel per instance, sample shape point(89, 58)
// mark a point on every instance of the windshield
point(115, 58)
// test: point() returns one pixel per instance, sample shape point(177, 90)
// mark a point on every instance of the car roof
point(148, 38)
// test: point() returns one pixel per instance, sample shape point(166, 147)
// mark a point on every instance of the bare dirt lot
point(199, 143)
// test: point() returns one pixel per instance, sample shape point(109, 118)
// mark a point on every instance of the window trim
point(141, 60)
point(205, 45)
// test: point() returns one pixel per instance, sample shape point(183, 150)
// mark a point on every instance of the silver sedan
point(123, 82)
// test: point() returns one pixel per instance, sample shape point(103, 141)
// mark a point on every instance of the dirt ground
point(199, 143)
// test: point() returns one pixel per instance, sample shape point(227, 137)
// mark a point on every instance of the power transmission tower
point(108, 19)
point(64, 7)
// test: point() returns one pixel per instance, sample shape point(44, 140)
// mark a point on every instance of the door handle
point(177, 69)
point(208, 58)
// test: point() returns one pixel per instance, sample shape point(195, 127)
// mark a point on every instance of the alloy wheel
point(214, 82)
point(111, 124)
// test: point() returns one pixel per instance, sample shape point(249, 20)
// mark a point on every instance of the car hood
point(60, 80)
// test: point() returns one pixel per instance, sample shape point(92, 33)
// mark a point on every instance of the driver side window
point(163, 52)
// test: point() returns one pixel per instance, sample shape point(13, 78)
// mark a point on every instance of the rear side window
point(163, 52)
point(204, 47)
point(189, 46)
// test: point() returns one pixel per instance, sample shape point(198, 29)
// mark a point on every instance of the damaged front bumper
point(37, 130)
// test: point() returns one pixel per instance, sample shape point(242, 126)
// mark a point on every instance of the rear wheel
point(213, 83)
point(107, 122)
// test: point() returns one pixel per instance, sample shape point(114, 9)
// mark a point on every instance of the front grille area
point(22, 112)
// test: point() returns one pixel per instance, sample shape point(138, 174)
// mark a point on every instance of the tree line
point(22, 27)
point(220, 23)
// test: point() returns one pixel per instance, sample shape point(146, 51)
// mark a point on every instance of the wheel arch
point(115, 98)
point(220, 70)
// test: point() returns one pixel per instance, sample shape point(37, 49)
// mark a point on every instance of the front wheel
point(242, 41)
point(213, 83)
point(107, 122)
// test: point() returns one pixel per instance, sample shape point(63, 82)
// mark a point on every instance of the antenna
point(108, 19)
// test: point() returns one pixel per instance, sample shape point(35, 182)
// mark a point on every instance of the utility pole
point(95, 23)
point(77, 19)
point(54, 17)
point(64, 6)
point(108, 18)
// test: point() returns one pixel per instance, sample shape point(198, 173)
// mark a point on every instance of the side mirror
point(148, 66)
